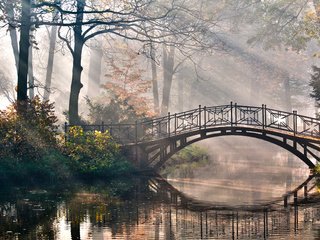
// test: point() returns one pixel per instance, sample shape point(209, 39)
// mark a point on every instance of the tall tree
point(155, 90)
point(9, 7)
point(24, 53)
point(95, 65)
point(51, 54)
point(168, 71)
point(76, 84)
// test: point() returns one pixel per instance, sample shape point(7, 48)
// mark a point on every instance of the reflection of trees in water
point(150, 209)
point(28, 217)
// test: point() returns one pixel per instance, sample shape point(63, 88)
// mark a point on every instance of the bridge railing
point(209, 117)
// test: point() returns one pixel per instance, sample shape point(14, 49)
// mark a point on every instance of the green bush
point(27, 136)
point(29, 148)
point(94, 153)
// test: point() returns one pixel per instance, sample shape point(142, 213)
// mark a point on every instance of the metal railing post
point(231, 117)
point(305, 191)
point(175, 124)
point(136, 140)
point(265, 116)
point(65, 131)
point(263, 122)
point(152, 131)
point(102, 126)
point(205, 117)
point(235, 114)
point(295, 126)
point(169, 124)
point(136, 132)
point(199, 117)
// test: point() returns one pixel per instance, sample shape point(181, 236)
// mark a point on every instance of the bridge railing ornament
point(217, 116)
point(186, 121)
point(247, 115)
point(169, 125)
point(154, 128)
point(307, 126)
point(279, 120)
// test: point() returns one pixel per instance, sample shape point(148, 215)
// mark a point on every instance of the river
point(224, 201)
point(152, 208)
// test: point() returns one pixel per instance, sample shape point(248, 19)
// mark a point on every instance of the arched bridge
point(151, 142)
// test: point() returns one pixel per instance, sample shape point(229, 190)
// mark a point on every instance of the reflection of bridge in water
point(233, 222)
point(299, 195)
point(151, 142)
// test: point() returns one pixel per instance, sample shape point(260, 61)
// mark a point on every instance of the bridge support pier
point(137, 156)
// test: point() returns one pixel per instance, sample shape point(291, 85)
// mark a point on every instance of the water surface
point(229, 200)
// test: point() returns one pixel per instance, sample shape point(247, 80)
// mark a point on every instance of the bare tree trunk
point(168, 65)
point(180, 92)
point(24, 53)
point(14, 44)
point(155, 90)
point(13, 32)
point(30, 73)
point(76, 84)
point(30, 64)
point(95, 71)
point(52, 46)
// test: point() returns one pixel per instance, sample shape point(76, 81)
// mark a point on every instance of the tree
point(95, 65)
point(155, 90)
point(24, 54)
point(52, 46)
point(125, 99)
point(168, 71)
point(131, 20)
point(8, 8)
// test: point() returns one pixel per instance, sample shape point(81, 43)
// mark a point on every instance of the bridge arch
point(156, 153)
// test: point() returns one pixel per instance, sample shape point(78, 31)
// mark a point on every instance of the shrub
point(27, 137)
point(94, 153)
point(29, 149)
